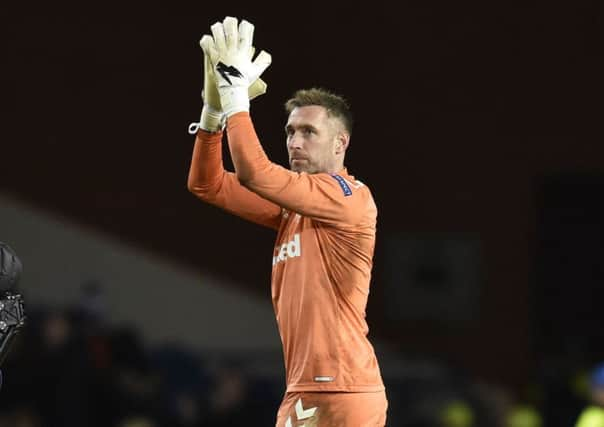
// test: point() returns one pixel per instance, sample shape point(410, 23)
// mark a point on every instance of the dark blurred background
point(478, 129)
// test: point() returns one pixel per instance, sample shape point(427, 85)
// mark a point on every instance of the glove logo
point(226, 71)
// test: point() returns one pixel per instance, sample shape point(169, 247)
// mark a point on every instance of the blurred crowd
point(67, 369)
point(70, 368)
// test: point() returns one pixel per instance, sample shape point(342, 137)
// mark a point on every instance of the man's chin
point(298, 166)
point(303, 170)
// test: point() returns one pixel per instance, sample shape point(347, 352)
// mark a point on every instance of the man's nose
point(295, 142)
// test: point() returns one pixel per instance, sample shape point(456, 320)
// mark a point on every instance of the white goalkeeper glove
point(231, 52)
point(212, 115)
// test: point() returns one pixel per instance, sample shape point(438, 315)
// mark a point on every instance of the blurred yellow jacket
point(592, 416)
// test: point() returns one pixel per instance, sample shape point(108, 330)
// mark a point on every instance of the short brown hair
point(335, 105)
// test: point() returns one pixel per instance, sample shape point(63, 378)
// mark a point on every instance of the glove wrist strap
point(211, 120)
point(234, 100)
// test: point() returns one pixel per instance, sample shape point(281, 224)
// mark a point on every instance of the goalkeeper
point(325, 221)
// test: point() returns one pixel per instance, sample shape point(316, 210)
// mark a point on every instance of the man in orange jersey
point(325, 221)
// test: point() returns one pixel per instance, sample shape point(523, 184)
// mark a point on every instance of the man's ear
point(342, 141)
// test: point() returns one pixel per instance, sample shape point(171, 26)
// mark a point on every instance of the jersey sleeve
point(326, 197)
point(209, 181)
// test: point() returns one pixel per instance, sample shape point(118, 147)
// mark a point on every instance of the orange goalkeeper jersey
point(321, 261)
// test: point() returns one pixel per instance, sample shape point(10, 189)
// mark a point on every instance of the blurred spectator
point(229, 402)
point(524, 416)
point(60, 374)
point(135, 384)
point(457, 413)
point(137, 422)
point(92, 323)
point(593, 414)
point(525, 409)
point(20, 416)
point(490, 403)
point(93, 304)
point(183, 380)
